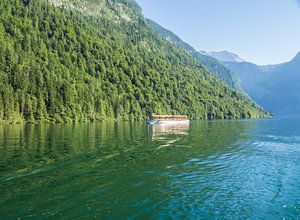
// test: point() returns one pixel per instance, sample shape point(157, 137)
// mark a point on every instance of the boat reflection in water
point(168, 134)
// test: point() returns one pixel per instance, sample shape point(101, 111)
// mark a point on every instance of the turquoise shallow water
point(207, 170)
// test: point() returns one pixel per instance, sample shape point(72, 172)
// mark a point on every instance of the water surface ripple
point(207, 170)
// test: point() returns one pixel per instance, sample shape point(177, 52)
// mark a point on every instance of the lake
point(247, 169)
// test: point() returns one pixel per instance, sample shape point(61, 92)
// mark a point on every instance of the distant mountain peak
point(226, 56)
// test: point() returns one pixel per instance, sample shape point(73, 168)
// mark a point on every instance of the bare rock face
point(114, 10)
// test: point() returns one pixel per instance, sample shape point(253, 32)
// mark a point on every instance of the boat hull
point(171, 122)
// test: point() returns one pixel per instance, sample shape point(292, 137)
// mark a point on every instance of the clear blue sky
point(260, 31)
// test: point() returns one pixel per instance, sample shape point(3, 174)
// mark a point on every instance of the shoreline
point(24, 122)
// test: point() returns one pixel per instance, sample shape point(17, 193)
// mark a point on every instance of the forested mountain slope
point(213, 65)
point(71, 60)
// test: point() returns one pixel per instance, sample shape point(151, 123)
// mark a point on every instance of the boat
point(168, 119)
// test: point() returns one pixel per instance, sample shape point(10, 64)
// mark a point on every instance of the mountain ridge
point(275, 87)
point(205, 59)
point(226, 56)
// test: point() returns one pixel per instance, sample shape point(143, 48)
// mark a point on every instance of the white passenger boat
point(168, 119)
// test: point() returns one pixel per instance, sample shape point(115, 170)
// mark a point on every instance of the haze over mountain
point(77, 60)
point(226, 56)
point(274, 87)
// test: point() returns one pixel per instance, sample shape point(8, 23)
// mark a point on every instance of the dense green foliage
point(212, 64)
point(225, 74)
point(59, 65)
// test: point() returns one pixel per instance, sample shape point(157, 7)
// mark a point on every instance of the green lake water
point(206, 170)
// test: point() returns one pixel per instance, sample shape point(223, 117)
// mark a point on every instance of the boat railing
point(169, 117)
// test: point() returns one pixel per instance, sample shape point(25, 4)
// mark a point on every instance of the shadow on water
point(124, 170)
